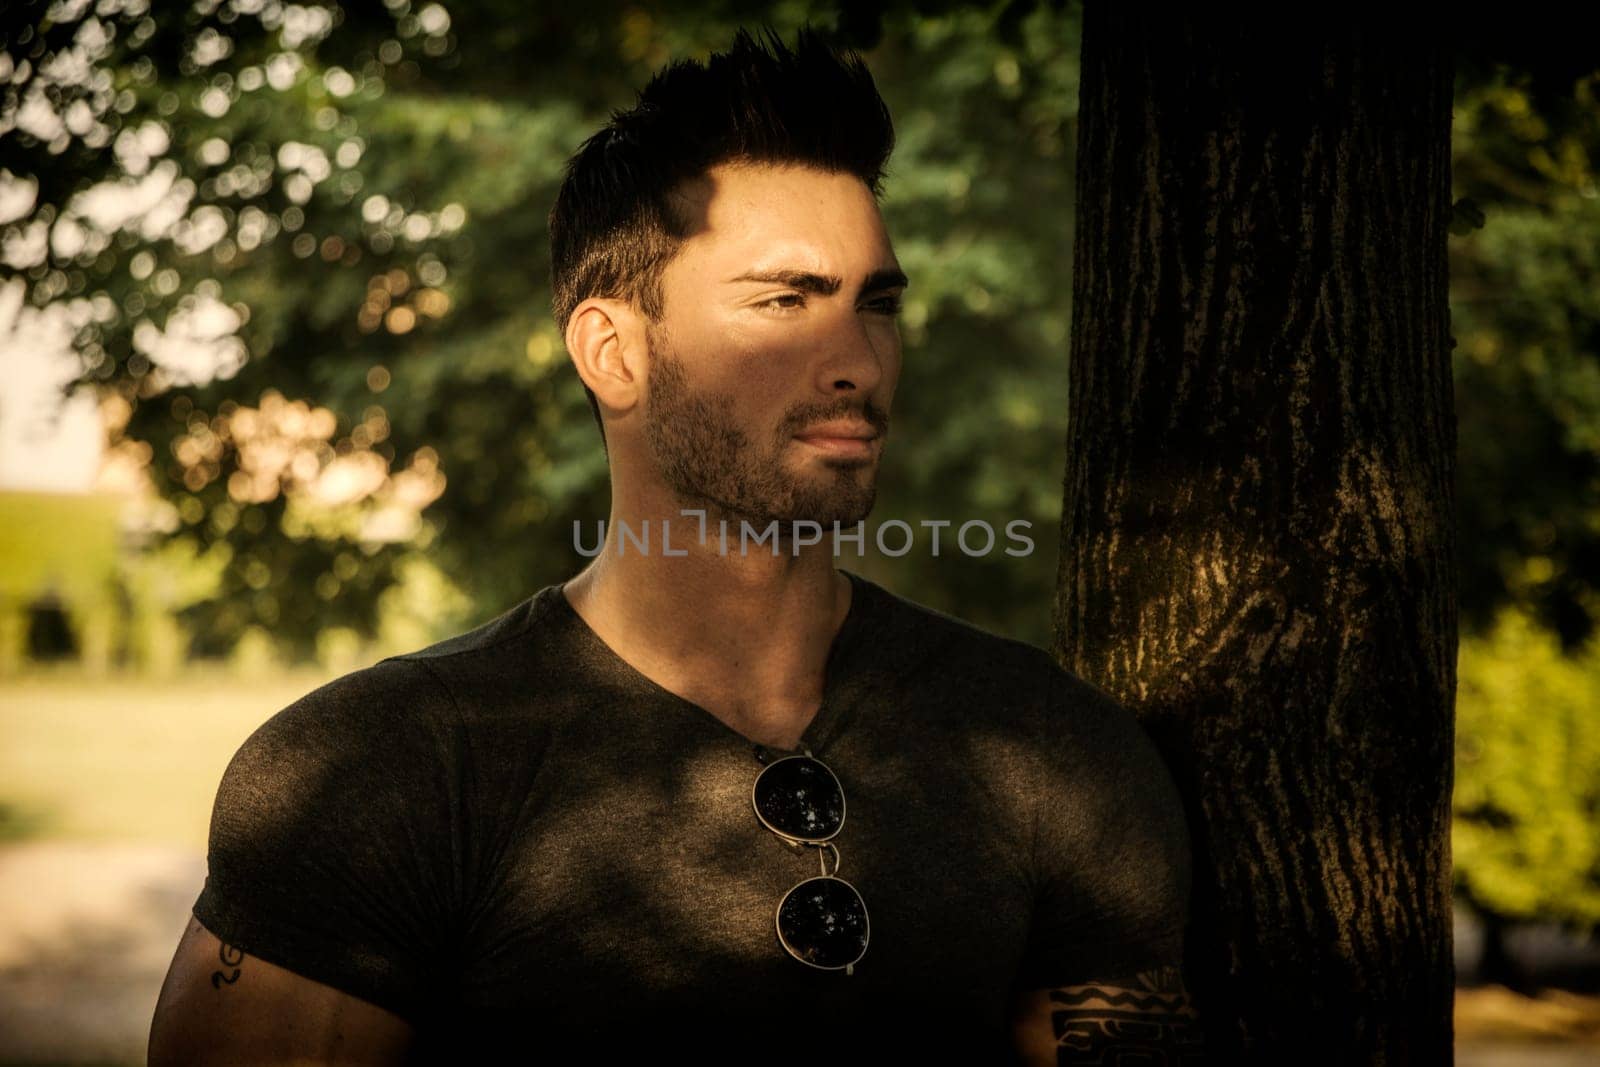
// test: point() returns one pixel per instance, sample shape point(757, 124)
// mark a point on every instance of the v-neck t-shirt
point(515, 835)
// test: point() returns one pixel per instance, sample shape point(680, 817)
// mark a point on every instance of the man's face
point(754, 352)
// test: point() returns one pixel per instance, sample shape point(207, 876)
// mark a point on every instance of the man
point(556, 837)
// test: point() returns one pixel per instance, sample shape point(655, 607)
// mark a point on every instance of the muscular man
point(712, 796)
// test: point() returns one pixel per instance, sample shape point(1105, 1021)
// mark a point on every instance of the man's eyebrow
point(825, 284)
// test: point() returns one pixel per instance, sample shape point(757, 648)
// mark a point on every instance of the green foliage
point(1525, 311)
point(980, 203)
point(1526, 839)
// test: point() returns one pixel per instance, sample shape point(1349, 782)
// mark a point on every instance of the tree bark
point(1258, 550)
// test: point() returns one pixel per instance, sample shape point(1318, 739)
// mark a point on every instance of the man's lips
point(841, 438)
point(838, 431)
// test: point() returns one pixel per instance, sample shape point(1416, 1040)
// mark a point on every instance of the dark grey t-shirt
point(515, 835)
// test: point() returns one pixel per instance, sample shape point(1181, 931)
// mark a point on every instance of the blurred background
point(280, 395)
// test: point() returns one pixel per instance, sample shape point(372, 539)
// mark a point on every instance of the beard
point(708, 461)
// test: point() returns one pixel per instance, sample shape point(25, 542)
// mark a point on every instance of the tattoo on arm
point(231, 957)
point(1146, 1019)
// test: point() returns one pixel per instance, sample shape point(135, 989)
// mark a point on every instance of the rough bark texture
point(1257, 548)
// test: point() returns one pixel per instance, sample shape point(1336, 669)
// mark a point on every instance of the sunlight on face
point(779, 315)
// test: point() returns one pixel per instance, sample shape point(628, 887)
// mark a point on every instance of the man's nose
point(853, 357)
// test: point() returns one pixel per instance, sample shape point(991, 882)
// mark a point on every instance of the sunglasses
point(822, 922)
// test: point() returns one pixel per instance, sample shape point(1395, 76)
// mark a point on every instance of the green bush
point(1526, 835)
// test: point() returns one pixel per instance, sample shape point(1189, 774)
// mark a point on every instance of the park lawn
point(127, 758)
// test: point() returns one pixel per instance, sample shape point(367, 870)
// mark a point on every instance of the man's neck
point(744, 636)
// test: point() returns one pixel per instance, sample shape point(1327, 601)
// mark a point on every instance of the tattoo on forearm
point(1146, 1019)
point(231, 957)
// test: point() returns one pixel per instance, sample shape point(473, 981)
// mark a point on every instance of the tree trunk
point(1258, 551)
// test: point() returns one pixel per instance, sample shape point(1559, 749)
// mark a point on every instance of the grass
point(126, 759)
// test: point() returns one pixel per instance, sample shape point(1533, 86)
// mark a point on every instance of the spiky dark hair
point(614, 228)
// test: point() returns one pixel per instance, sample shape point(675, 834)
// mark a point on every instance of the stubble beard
point(709, 462)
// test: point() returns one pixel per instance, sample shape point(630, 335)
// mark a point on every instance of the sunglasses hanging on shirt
point(822, 922)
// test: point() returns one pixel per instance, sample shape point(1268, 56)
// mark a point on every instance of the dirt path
point(86, 933)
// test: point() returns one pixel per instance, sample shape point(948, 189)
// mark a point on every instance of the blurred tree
point(169, 169)
point(1526, 309)
point(1526, 842)
point(1257, 550)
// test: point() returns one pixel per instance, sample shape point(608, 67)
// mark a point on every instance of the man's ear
point(606, 340)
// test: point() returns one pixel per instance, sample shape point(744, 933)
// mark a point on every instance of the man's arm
point(329, 898)
point(219, 1006)
point(1146, 1018)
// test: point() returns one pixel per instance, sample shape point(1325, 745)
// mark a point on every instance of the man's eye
point(777, 303)
point(889, 305)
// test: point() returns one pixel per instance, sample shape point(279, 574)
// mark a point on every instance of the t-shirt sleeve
point(334, 835)
point(1112, 856)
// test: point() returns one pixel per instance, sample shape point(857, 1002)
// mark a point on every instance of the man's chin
point(826, 507)
point(846, 515)
point(824, 516)
point(823, 520)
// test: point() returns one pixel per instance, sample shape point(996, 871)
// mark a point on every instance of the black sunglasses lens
point(824, 923)
point(800, 798)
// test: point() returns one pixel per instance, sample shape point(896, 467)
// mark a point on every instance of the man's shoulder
point(356, 750)
point(953, 649)
point(940, 635)
point(386, 705)
point(1006, 682)
point(421, 696)
point(404, 689)
point(508, 631)
point(407, 706)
